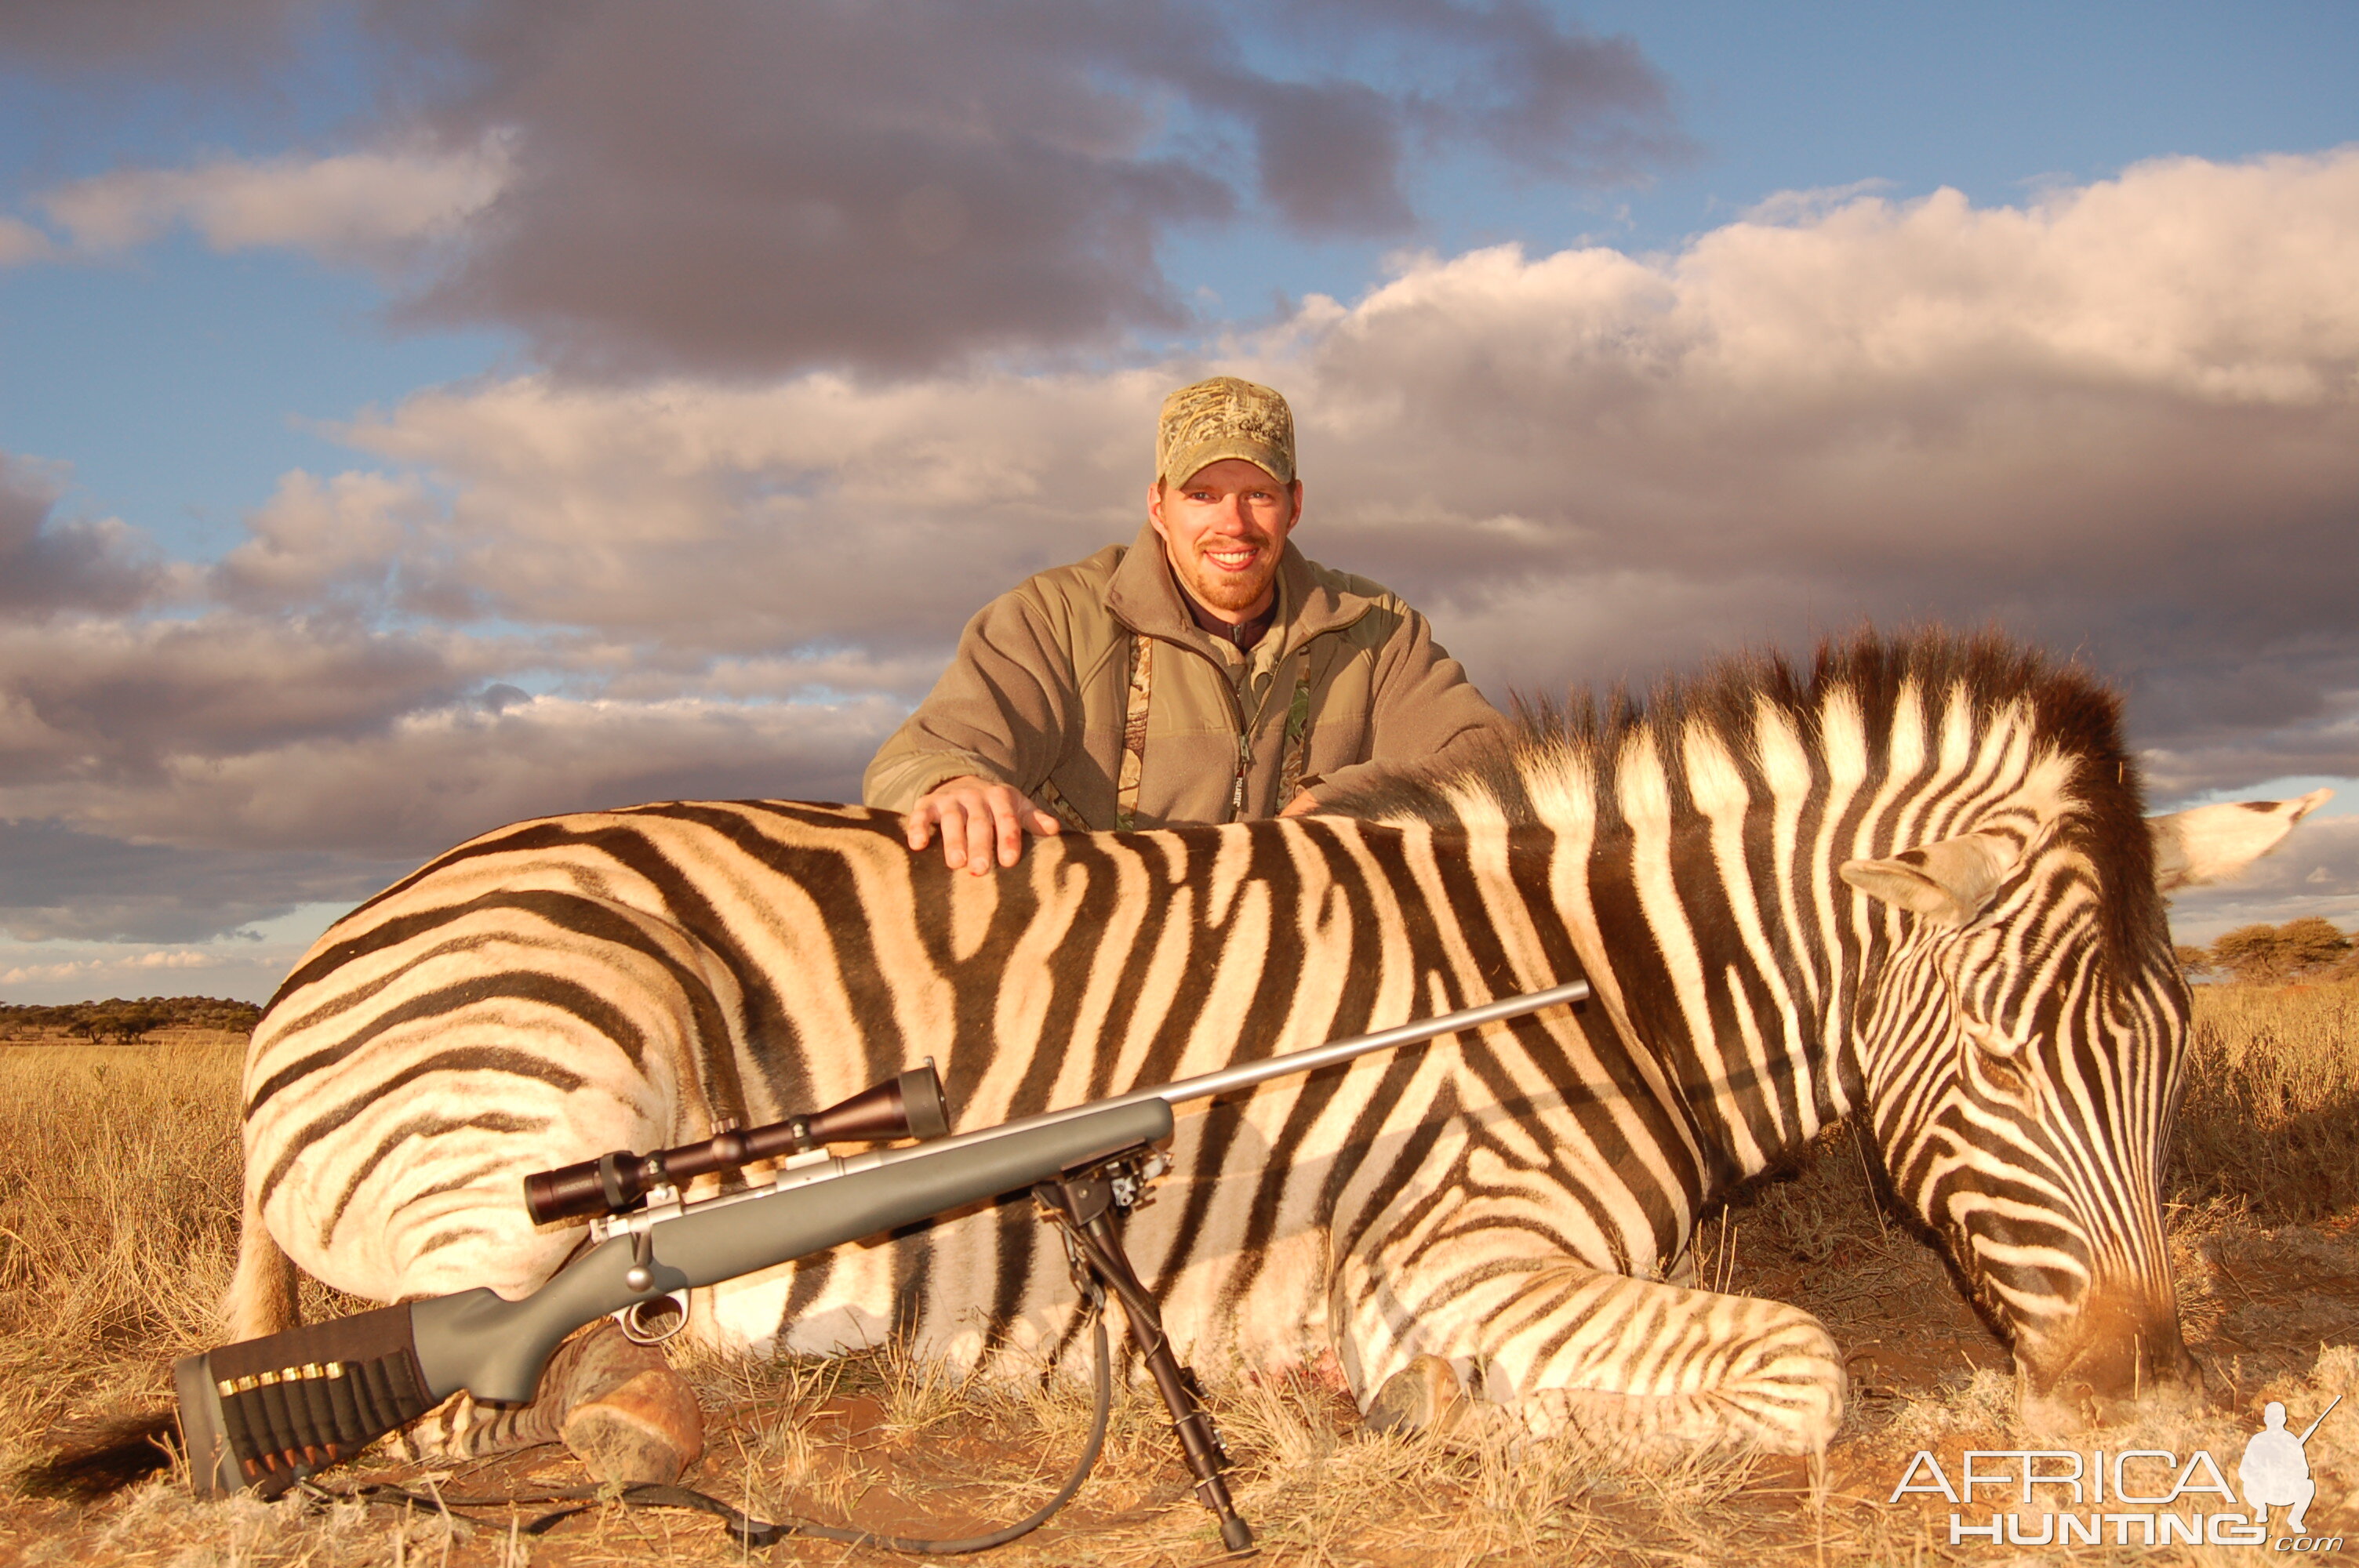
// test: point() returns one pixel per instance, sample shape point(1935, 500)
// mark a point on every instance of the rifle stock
point(263, 1413)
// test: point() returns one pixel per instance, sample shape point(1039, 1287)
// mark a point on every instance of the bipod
point(1081, 1202)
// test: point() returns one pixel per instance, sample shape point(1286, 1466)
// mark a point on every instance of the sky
point(420, 416)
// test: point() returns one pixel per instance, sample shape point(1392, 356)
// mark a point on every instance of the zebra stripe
point(1913, 885)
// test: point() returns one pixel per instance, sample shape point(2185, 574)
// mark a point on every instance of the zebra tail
point(104, 1456)
point(261, 1298)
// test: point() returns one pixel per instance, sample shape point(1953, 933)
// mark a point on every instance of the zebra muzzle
point(2121, 1354)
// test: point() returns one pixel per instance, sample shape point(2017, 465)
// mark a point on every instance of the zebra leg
point(1565, 1348)
point(619, 1407)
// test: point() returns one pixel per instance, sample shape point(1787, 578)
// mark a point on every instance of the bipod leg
point(1083, 1204)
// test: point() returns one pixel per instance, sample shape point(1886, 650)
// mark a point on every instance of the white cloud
point(2116, 420)
point(21, 243)
point(313, 537)
point(2176, 277)
point(90, 701)
point(182, 958)
point(750, 519)
point(436, 776)
point(247, 963)
point(363, 206)
point(2108, 421)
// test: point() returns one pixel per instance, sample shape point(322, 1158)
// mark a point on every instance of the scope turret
point(907, 1106)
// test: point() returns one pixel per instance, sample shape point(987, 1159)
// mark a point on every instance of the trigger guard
point(637, 1330)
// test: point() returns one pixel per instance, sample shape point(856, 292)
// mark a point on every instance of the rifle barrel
point(1246, 1074)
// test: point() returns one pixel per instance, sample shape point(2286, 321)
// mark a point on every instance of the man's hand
point(1301, 805)
point(974, 813)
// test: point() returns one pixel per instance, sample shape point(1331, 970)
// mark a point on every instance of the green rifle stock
point(263, 1412)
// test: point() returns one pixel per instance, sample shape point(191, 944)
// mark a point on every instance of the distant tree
point(2308, 945)
point(216, 1012)
point(2194, 960)
point(2253, 953)
point(126, 1022)
point(116, 1019)
point(2313, 944)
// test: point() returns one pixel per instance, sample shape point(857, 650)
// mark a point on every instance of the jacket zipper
point(1245, 732)
point(1237, 708)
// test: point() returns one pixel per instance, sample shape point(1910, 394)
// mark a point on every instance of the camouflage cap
point(1224, 417)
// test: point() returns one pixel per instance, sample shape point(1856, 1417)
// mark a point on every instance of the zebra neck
point(1723, 980)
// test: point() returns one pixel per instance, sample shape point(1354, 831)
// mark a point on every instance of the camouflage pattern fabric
point(1224, 417)
point(1134, 733)
point(1298, 724)
point(1134, 743)
point(1062, 809)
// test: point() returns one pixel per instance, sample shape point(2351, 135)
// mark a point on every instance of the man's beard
point(1232, 592)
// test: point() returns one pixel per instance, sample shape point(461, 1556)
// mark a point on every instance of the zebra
point(1909, 884)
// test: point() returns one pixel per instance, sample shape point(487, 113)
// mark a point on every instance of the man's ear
point(1948, 881)
point(1155, 508)
point(2211, 842)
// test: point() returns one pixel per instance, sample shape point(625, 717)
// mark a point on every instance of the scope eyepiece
point(911, 1105)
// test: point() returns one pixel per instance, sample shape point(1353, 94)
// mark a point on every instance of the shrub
point(128, 1021)
point(2305, 946)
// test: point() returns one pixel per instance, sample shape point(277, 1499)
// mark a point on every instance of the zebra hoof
point(645, 1433)
point(1423, 1396)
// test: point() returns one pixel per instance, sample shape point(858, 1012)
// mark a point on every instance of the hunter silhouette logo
point(2132, 1496)
point(2275, 1470)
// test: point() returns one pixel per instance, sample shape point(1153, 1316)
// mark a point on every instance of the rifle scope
point(907, 1106)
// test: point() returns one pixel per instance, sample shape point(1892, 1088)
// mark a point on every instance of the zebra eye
point(2007, 1079)
point(1999, 1063)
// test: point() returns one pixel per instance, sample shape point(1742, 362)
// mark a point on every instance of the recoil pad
point(264, 1413)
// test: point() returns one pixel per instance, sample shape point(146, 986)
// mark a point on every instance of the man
point(1208, 673)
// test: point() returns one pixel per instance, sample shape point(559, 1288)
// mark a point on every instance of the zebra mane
point(2074, 714)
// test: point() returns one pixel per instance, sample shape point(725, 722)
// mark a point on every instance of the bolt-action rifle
point(266, 1413)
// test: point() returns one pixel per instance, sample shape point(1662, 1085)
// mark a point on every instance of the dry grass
point(2270, 1122)
point(118, 1222)
point(119, 1169)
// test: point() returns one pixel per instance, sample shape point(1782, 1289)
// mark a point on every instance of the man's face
point(1224, 530)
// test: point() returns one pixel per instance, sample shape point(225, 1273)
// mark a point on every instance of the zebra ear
point(1948, 881)
point(2211, 842)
